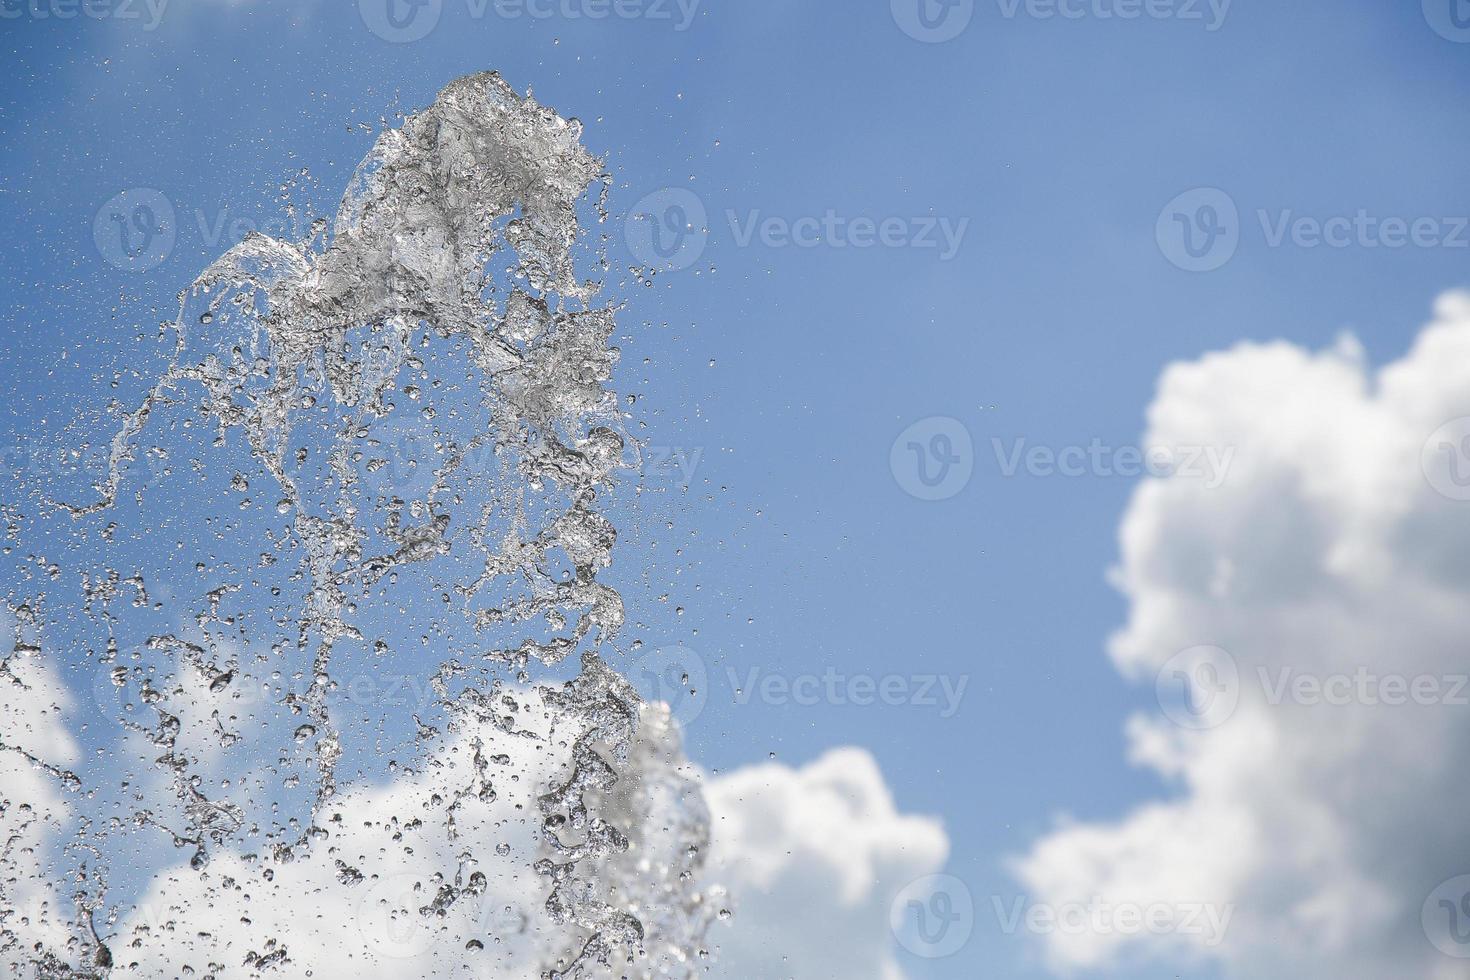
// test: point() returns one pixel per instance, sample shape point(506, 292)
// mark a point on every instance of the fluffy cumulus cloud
point(416, 878)
point(430, 874)
point(810, 859)
point(813, 858)
point(1314, 611)
point(34, 814)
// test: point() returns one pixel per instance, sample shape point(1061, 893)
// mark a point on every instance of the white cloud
point(429, 874)
point(34, 814)
point(810, 857)
point(813, 857)
point(1328, 552)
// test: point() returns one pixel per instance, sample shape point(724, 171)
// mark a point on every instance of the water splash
point(408, 420)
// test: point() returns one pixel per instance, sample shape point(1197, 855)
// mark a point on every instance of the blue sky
point(788, 370)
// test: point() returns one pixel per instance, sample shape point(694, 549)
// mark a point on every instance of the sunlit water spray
point(381, 453)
